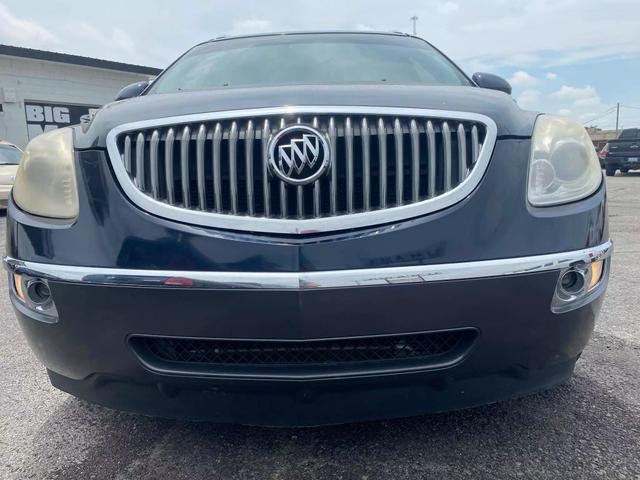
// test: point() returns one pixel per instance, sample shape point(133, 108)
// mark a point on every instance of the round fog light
point(572, 282)
point(39, 292)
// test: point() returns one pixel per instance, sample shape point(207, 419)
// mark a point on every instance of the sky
point(571, 57)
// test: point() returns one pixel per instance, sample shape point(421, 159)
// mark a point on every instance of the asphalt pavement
point(586, 428)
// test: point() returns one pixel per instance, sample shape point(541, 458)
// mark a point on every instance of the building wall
point(37, 80)
point(601, 137)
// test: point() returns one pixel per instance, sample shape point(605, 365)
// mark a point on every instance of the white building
point(42, 90)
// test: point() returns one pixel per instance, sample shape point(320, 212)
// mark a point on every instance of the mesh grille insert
point(305, 353)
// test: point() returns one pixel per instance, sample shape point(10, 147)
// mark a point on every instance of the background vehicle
point(603, 154)
point(9, 160)
point(624, 152)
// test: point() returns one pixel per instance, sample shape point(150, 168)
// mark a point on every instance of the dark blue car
point(309, 228)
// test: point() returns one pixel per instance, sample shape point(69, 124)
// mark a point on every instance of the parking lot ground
point(587, 428)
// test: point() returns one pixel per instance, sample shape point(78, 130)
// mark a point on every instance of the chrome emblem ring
point(299, 154)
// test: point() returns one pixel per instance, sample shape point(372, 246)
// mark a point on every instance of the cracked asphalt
point(586, 428)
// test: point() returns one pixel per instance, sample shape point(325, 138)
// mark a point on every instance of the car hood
point(509, 118)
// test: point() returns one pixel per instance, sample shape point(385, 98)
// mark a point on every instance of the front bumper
point(624, 162)
point(521, 345)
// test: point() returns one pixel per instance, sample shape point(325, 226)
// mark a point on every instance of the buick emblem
point(299, 154)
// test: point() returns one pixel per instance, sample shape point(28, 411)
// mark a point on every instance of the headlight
point(46, 180)
point(564, 165)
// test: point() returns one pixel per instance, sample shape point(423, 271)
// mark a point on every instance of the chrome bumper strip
point(308, 280)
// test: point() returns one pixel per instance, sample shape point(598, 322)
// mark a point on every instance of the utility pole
point(617, 117)
point(414, 19)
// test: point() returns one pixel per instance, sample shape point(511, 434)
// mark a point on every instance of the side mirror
point(494, 82)
point(132, 90)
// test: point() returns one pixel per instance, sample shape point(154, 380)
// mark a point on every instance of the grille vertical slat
point(283, 200)
point(140, 174)
point(126, 158)
point(399, 159)
point(153, 160)
point(366, 166)
point(217, 175)
point(200, 174)
point(222, 170)
point(431, 160)
point(184, 166)
point(248, 159)
point(317, 187)
point(233, 167)
point(446, 141)
point(168, 166)
point(266, 194)
point(299, 190)
point(382, 153)
point(348, 138)
point(415, 161)
point(462, 153)
point(283, 187)
point(475, 147)
point(334, 170)
point(300, 201)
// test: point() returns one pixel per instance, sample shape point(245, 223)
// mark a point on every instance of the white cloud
point(123, 40)
point(499, 33)
point(523, 79)
point(477, 65)
point(587, 116)
point(593, 101)
point(568, 39)
point(23, 32)
point(364, 27)
point(502, 36)
point(116, 43)
point(252, 25)
point(568, 92)
point(447, 8)
point(530, 99)
point(581, 103)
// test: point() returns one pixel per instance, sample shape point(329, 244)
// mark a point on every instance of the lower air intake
point(432, 346)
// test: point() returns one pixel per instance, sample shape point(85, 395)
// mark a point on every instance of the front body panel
point(493, 222)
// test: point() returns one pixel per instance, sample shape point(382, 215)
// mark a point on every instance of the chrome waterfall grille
point(214, 169)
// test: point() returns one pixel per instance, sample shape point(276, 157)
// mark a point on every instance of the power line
point(603, 114)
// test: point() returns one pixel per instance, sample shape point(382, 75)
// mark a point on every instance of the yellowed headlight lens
point(45, 184)
point(564, 166)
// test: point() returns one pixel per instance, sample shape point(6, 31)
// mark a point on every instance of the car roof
point(309, 32)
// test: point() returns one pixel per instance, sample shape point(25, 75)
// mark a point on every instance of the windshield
point(325, 59)
point(9, 155)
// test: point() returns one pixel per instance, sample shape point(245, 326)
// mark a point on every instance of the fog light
point(579, 284)
point(572, 282)
point(38, 292)
point(35, 294)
